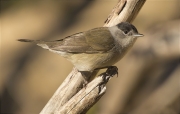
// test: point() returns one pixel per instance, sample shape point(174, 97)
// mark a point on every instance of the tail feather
point(27, 40)
point(38, 42)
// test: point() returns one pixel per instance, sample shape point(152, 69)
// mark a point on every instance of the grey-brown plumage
point(95, 48)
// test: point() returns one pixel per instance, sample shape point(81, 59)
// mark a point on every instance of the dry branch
point(86, 97)
point(71, 85)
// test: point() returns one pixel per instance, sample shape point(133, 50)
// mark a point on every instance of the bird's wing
point(100, 39)
point(75, 43)
point(91, 41)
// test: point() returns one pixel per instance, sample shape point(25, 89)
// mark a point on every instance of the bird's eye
point(125, 32)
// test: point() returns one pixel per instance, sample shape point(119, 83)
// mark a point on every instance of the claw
point(112, 70)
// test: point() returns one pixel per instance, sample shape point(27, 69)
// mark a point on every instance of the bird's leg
point(111, 70)
point(86, 76)
point(89, 75)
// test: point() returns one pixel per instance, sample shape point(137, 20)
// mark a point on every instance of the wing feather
point(91, 41)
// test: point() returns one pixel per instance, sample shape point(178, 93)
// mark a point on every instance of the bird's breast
point(89, 62)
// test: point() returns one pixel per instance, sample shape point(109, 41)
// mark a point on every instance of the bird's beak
point(138, 35)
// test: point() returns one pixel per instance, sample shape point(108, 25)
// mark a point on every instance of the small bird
point(94, 49)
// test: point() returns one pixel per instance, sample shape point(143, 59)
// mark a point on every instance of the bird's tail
point(37, 42)
point(27, 40)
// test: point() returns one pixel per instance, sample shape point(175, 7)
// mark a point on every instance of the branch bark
point(86, 97)
point(125, 10)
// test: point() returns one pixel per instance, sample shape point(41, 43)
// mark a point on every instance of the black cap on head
point(126, 27)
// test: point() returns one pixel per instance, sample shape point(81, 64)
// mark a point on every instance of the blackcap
point(96, 48)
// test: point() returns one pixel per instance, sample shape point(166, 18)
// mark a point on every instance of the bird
point(93, 49)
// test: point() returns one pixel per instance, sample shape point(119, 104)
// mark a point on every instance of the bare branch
point(125, 10)
point(86, 97)
point(71, 85)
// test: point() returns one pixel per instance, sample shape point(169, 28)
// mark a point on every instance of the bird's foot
point(110, 72)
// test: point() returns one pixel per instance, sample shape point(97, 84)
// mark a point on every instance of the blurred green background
point(148, 74)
